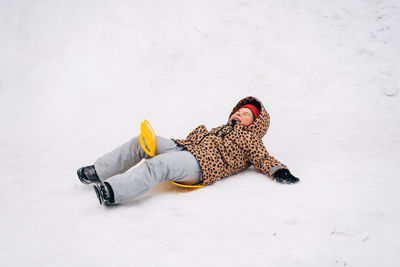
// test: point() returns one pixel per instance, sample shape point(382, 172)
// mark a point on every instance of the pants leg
point(179, 166)
point(128, 155)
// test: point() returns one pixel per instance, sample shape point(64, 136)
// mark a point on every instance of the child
point(202, 158)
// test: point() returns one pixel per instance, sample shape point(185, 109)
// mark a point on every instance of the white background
point(78, 77)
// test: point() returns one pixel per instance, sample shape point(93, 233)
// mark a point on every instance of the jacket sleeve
point(261, 160)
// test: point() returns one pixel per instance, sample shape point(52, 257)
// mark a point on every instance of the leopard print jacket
point(232, 148)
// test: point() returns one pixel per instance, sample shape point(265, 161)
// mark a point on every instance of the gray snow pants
point(171, 163)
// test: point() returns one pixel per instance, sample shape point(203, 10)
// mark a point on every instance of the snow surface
point(78, 77)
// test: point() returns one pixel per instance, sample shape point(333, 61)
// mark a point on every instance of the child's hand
point(285, 177)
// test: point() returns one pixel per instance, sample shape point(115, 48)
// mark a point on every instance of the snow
point(78, 77)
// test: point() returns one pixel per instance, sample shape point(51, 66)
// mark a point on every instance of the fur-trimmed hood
point(261, 124)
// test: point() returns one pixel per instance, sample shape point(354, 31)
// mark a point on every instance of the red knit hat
point(253, 109)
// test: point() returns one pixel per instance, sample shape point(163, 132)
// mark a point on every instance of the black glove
point(285, 177)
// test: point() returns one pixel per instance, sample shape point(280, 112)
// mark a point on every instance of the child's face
point(243, 116)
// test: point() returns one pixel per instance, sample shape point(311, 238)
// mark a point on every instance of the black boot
point(88, 175)
point(104, 193)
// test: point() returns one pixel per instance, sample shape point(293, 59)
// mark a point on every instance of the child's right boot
point(88, 175)
point(104, 193)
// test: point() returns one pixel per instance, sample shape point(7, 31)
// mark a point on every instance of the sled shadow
point(162, 188)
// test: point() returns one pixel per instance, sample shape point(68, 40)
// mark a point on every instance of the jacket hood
point(261, 124)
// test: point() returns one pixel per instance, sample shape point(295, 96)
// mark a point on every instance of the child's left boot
point(104, 193)
point(88, 175)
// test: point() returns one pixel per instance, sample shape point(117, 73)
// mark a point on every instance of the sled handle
point(147, 135)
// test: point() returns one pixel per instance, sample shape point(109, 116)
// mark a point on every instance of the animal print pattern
point(227, 150)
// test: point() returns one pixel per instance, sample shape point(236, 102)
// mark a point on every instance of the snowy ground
point(78, 77)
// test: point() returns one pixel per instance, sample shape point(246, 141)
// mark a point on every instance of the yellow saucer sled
point(148, 140)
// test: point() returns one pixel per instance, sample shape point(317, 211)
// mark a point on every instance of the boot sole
point(80, 176)
point(98, 194)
